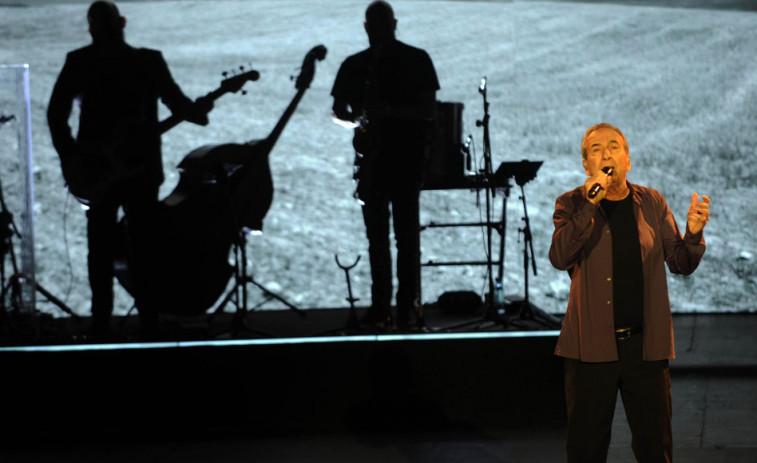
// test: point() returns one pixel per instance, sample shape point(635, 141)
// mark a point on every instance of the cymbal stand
point(238, 293)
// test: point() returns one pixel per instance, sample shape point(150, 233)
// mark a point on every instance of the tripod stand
point(523, 311)
point(238, 293)
point(11, 294)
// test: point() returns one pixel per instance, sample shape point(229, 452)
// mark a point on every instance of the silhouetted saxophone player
point(388, 94)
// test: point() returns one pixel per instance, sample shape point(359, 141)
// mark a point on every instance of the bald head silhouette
point(106, 25)
point(380, 23)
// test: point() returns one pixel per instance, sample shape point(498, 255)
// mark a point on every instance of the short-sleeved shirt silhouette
point(402, 73)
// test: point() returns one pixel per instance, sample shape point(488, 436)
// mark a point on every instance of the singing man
point(618, 331)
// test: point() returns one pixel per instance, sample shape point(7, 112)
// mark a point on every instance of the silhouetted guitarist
point(388, 94)
point(115, 158)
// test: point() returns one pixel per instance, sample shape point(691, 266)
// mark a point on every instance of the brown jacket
point(582, 245)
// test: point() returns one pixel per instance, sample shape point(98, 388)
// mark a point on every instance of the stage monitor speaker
point(460, 302)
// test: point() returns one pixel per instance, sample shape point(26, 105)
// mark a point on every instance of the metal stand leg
point(238, 293)
point(352, 323)
point(524, 312)
point(12, 287)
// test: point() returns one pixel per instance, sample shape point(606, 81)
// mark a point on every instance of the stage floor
point(273, 324)
point(477, 394)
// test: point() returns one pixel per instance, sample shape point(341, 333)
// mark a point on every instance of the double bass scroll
point(244, 167)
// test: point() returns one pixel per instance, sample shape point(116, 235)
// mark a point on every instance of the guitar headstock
point(234, 83)
point(308, 67)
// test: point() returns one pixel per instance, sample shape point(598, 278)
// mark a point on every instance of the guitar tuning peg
point(224, 74)
point(244, 92)
point(241, 68)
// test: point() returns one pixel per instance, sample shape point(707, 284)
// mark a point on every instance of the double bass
point(223, 190)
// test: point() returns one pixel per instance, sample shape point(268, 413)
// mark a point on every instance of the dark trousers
point(103, 241)
point(107, 241)
point(404, 214)
point(591, 392)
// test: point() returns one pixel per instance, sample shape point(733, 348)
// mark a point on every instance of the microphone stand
point(527, 312)
point(528, 245)
point(486, 175)
point(496, 296)
point(494, 307)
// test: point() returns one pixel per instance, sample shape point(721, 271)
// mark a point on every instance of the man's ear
point(586, 167)
point(123, 22)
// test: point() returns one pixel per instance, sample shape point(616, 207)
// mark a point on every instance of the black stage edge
point(488, 378)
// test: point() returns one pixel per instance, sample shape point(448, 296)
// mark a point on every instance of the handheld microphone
point(594, 190)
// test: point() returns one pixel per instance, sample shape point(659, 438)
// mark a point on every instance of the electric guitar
point(97, 167)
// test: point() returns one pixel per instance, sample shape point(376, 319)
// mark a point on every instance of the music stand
point(497, 309)
point(523, 172)
point(522, 313)
point(490, 181)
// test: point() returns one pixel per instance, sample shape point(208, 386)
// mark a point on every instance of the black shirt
point(628, 285)
point(398, 74)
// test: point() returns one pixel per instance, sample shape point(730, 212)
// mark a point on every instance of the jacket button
point(609, 302)
point(609, 278)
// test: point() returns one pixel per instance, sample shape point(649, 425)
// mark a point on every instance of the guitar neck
point(174, 119)
point(168, 123)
